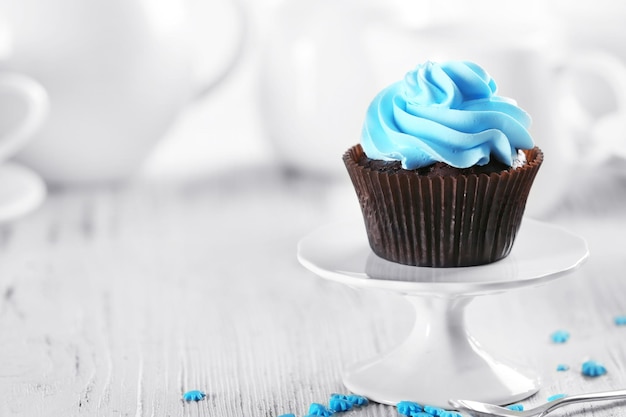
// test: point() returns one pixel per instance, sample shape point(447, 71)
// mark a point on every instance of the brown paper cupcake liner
point(442, 221)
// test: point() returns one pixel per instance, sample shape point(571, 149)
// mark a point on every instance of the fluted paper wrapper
point(442, 221)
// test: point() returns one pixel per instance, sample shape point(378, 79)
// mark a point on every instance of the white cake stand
point(440, 359)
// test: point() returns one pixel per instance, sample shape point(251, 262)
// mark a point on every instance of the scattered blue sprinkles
point(194, 395)
point(560, 336)
point(358, 400)
point(408, 408)
point(413, 409)
point(593, 368)
point(319, 410)
point(342, 403)
point(434, 411)
point(337, 404)
point(562, 367)
point(448, 413)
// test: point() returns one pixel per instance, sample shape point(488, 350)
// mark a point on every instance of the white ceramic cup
point(118, 73)
point(23, 108)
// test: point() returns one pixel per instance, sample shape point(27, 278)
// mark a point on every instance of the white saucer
point(21, 191)
point(541, 252)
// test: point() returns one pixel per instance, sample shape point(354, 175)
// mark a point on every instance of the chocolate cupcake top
point(445, 112)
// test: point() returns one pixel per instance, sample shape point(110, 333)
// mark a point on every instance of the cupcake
point(444, 168)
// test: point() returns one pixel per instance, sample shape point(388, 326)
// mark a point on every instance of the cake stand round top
point(541, 252)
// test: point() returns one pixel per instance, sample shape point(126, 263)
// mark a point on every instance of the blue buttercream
point(444, 112)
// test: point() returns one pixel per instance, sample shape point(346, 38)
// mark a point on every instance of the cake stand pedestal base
point(438, 361)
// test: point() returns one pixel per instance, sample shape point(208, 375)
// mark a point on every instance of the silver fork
point(478, 409)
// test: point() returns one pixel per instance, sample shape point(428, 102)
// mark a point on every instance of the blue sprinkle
point(593, 368)
point(194, 395)
point(287, 415)
point(515, 407)
point(556, 397)
point(420, 414)
point(446, 413)
point(620, 320)
point(337, 404)
point(357, 400)
point(434, 411)
point(560, 336)
point(407, 408)
point(562, 367)
point(319, 410)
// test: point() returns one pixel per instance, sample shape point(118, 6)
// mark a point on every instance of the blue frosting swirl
point(445, 112)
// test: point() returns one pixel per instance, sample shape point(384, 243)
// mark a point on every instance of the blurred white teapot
point(117, 71)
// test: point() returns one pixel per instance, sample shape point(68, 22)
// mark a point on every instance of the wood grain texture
point(114, 301)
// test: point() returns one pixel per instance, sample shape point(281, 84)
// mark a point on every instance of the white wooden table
point(115, 301)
